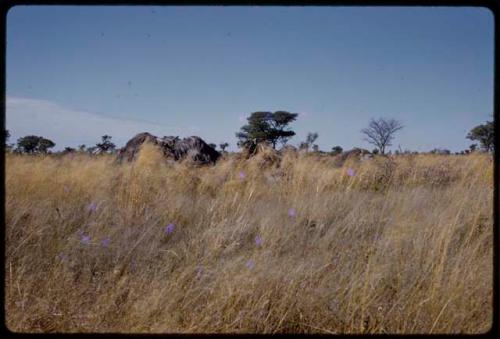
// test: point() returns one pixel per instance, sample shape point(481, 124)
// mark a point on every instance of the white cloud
point(69, 127)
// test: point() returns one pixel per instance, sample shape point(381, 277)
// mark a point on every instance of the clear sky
point(75, 73)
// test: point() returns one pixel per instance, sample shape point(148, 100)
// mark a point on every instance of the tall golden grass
point(402, 246)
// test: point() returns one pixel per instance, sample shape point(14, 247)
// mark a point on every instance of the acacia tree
point(266, 127)
point(44, 145)
point(223, 146)
point(485, 134)
point(381, 132)
point(336, 150)
point(28, 144)
point(34, 144)
point(105, 145)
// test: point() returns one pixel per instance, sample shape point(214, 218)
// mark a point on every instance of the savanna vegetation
point(291, 243)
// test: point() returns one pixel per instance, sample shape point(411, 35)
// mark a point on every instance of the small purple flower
point(242, 175)
point(85, 239)
point(250, 264)
point(133, 265)
point(92, 207)
point(258, 240)
point(105, 242)
point(66, 188)
point(169, 229)
point(62, 256)
point(350, 172)
point(199, 271)
point(292, 212)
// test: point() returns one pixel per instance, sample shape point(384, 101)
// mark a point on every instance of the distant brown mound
point(174, 148)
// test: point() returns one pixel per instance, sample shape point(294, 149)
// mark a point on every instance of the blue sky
point(76, 73)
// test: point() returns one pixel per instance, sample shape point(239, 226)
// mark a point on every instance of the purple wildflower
point(105, 242)
point(169, 229)
point(242, 175)
point(92, 207)
point(133, 265)
point(62, 256)
point(292, 212)
point(350, 172)
point(258, 240)
point(250, 264)
point(66, 188)
point(85, 239)
point(199, 271)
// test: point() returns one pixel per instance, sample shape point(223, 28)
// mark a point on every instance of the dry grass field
point(308, 245)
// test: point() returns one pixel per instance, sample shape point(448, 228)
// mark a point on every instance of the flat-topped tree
point(44, 145)
point(223, 146)
point(266, 127)
point(34, 144)
point(336, 150)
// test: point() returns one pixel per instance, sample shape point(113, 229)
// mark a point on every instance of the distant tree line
point(32, 144)
point(272, 128)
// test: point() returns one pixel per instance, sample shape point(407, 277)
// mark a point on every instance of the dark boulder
point(174, 148)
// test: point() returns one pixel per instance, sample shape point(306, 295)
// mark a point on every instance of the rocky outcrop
point(193, 148)
point(360, 153)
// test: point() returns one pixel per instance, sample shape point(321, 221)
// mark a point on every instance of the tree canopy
point(337, 150)
point(106, 145)
point(485, 134)
point(381, 132)
point(34, 144)
point(266, 127)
